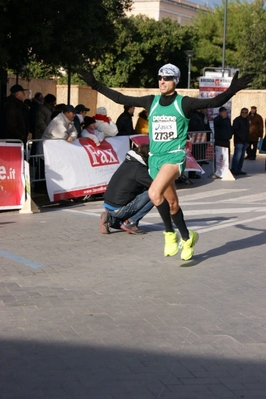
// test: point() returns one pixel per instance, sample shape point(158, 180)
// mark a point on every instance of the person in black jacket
point(14, 113)
point(241, 138)
point(126, 199)
point(124, 121)
point(223, 130)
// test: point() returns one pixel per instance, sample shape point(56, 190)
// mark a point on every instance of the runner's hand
point(238, 84)
point(88, 77)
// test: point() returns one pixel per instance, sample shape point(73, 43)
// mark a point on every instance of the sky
point(209, 3)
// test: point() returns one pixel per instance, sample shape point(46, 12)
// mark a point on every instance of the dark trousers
point(252, 149)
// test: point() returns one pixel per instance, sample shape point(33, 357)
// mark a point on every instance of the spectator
point(57, 110)
point(255, 132)
point(222, 130)
point(43, 115)
point(81, 111)
point(126, 199)
point(124, 121)
point(36, 102)
point(241, 132)
point(62, 126)
point(142, 123)
point(104, 123)
point(26, 116)
point(91, 132)
point(15, 126)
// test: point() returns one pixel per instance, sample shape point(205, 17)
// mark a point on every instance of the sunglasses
point(165, 78)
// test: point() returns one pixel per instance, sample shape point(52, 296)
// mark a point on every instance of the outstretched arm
point(189, 103)
point(114, 95)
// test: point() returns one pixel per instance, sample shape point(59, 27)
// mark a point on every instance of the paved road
point(88, 316)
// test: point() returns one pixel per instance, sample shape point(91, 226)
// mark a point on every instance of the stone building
point(180, 10)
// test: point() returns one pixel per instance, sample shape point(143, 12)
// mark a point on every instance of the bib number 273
point(165, 131)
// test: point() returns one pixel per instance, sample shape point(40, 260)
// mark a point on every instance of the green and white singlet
point(168, 135)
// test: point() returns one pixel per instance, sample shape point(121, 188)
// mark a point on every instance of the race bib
point(164, 131)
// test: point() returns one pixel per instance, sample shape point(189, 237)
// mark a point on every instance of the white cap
point(170, 70)
point(101, 111)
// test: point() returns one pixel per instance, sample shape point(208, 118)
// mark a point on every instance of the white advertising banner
point(222, 161)
point(210, 87)
point(80, 168)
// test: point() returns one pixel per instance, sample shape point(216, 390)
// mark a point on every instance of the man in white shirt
point(62, 126)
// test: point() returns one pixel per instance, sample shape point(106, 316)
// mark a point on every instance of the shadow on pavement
point(33, 370)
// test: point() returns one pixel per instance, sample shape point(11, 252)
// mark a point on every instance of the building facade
point(181, 11)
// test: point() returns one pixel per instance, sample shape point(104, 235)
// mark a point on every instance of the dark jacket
point(14, 121)
point(124, 124)
point(240, 130)
point(196, 122)
point(77, 125)
point(35, 105)
point(255, 126)
point(222, 131)
point(129, 180)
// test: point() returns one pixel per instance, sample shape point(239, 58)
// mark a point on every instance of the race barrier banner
point(81, 168)
point(12, 183)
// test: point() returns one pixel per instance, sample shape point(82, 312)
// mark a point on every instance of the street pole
point(189, 54)
point(224, 36)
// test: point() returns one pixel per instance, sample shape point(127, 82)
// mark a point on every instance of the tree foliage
point(56, 32)
point(143, 45)
point(245, 20)
point(254, 59)
point(39, 39)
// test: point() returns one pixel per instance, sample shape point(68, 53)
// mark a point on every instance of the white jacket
point(60, 128)
point(109, 129)
point(97, 136)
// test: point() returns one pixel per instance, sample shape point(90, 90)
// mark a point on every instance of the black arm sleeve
point(144, 101)
point(190, 103)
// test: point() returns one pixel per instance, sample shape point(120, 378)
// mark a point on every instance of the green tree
point(254, 60)
point(142, 45)
point(56, 32)
point(241, 17)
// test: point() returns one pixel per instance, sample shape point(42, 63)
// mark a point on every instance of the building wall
point(180, 10)
point(45, 86)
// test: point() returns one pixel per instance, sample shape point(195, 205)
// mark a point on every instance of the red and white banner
point(210, 87)
point(80, 168)
point(12, 185)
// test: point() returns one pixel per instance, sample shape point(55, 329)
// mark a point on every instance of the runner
point(168, 122)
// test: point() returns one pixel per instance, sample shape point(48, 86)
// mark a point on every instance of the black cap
point(69, 108)
point(88, 120)
point(14, 89)
point(49, 98)
point(80, 108)
point(221, 109)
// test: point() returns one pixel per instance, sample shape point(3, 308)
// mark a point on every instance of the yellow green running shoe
point(187, 246)
point(170, 243)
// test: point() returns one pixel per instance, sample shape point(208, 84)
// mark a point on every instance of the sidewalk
point(91, 316)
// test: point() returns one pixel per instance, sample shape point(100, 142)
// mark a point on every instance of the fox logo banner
point(81, 168)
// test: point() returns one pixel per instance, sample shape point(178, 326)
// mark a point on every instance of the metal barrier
point(36, 161)
point(202, 146)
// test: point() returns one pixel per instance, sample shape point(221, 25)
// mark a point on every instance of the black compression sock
point(178, 219)
point(164, 211)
